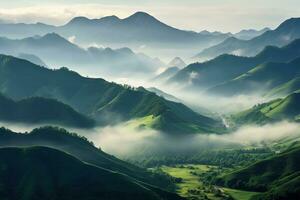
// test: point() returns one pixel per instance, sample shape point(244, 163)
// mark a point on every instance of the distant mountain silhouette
point(133, 31)
point(56, 51)
point(285, 33)
point(250, 33)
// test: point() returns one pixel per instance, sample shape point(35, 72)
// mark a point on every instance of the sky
point(197, 15)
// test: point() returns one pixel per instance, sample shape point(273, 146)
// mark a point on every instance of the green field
point(239, 194)
point(192, 187)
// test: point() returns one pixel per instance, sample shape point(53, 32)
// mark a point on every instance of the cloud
point(125, 141)
point(72, 39)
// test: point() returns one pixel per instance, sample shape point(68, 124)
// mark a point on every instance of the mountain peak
point(110, 18)
point(79, 20)
point(141, 14)
point(177, 62)
point(141, 17)
point(52, 36)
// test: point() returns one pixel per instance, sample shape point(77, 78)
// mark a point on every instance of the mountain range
point(260, 79)
point(105, 102)
point(136, 31)
point(285, 33)
point(56, 51)
point(228, 69)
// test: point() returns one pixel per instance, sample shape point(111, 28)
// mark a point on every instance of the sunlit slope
point(107, 102)
point(62, 176)
point(276, 110)
point(286, 88)
point(259, 80)
point(278, 177)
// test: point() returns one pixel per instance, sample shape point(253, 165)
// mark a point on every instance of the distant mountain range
point(56, 51)
point(245, 34)
point(286, 32)
point(250, 33)
point(226, 74)
point(139, 29)
point(106, 102)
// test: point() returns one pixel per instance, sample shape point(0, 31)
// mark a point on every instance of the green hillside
point(80, 148)
point(260, 79)
point(225, 68)
point(278, 177)
point(276, 110)
point(42, 110)
point(286, 88)
point(104, 101)
point(27, 175)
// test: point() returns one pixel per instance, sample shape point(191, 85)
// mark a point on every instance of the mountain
point(62, 176)
point(259, 79)
point(139, 28)
point(250, 33)
point(275, 110)
point(277, 177)
point(40, 110)
point(165, 75)
point(56, 51)
point(226, 67)
point(135, 31)
point(32, 58)
point(285, 33)
point(106, 102)
point(177, 62)
point(83, 150)
point(163, 94)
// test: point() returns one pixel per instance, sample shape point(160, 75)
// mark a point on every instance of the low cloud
point(128, 142)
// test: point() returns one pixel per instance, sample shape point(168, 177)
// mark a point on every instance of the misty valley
point(132, 108)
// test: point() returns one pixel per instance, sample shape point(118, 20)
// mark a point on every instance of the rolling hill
point(285, 33)
point(62, 176)
point(227, 67)
point(82, 149)
point(278, 177)
point(106, 102)
point(276, 110)
point(37, 110)
point(260, 79)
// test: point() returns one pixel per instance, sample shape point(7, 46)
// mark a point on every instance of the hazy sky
point(223, 15)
